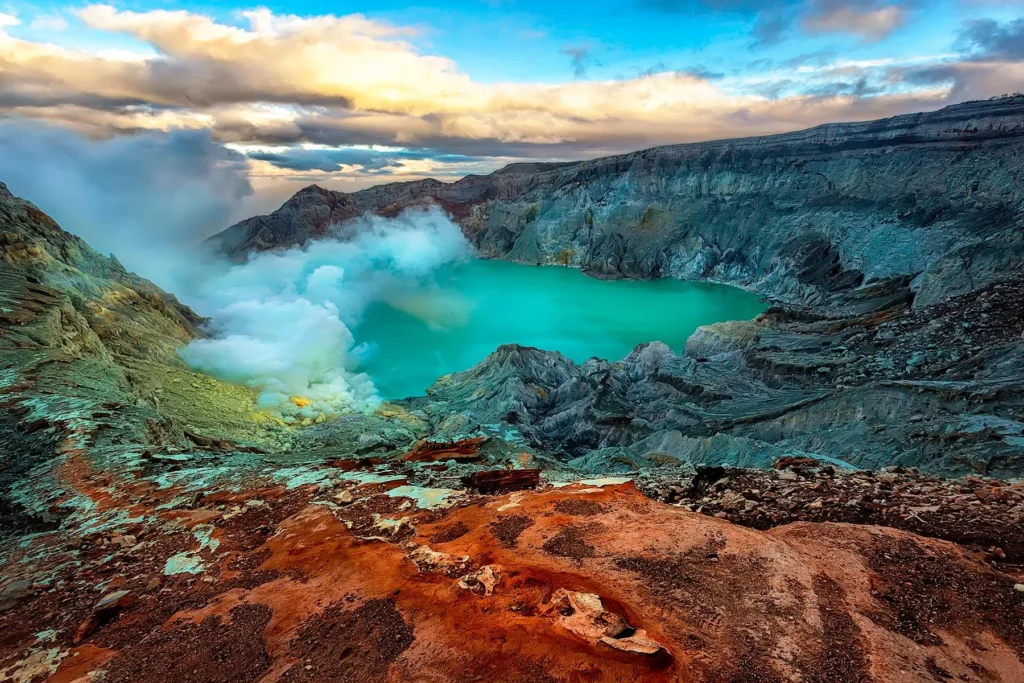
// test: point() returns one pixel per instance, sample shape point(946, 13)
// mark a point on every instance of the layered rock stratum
point(772, 503)
point(932, 198)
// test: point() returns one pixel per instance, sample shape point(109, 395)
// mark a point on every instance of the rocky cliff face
point(934, 198)
point(892, 251)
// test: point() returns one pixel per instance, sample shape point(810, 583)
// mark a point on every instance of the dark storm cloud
point(14, 96)
point(859, 88)
point(812, 59)
point(776, 20)
point(762, 64)
point(324, 159)
point(819, 58)
point(336, 129)
point(701, 72)
point(966, 80)
point(770, 27)
point(177, 82)
point(724, 5)
point(773, 90)
point(992, 62)
point(698, 71)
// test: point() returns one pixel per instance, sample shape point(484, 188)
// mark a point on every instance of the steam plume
point(146, 198)
point(282, 323)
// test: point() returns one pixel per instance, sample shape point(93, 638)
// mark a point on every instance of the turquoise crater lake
point(480, 305)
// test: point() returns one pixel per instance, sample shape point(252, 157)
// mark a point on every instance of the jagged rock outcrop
point(935, 198)
point(33, 247)
point(937, 389)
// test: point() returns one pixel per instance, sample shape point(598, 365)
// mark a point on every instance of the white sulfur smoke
point(282, 321)
point(147, 198)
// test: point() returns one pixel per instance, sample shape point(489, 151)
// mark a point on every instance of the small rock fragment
point(732, 500)
point(639, 643)
point(428, 560)
point(584, 615)
point(13, 593)
point(482, 581)
point(115, 602)
point(108, 607)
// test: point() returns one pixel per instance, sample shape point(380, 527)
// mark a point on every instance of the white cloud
point(282, 80)
point(871, 23)
point(51, 22)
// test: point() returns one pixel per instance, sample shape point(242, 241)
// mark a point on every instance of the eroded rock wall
point(935, 197)
point(891, 249)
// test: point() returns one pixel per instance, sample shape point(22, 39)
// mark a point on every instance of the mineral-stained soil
point(367, 639)
point(449, 533)
point(572, 541)
point(984, 513)
point(288, 585)
point(506, 529)
point(219, 649)
point(579, 507)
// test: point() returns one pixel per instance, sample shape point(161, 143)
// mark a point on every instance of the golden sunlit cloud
point(350, 80)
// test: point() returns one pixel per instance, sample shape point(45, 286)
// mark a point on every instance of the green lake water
point(477, 306)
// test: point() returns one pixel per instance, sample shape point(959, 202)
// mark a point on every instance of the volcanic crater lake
point(412, 339)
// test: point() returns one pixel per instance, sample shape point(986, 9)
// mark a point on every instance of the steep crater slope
point(177, 535)
point(933, 196)
point(891, 250)
point(89, 371)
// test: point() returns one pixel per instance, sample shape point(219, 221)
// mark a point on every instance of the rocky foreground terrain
point(330, 574)
point(828, 493)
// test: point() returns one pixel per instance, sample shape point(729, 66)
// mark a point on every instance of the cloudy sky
point(350, 94)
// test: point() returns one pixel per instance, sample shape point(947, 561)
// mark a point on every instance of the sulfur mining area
point(826, 491)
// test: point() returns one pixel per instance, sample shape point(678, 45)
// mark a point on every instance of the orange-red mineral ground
point(371, 582)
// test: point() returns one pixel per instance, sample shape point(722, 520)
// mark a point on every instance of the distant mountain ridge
point(918, 195)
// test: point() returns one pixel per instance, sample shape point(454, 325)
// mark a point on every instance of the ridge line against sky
point(390, 90)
